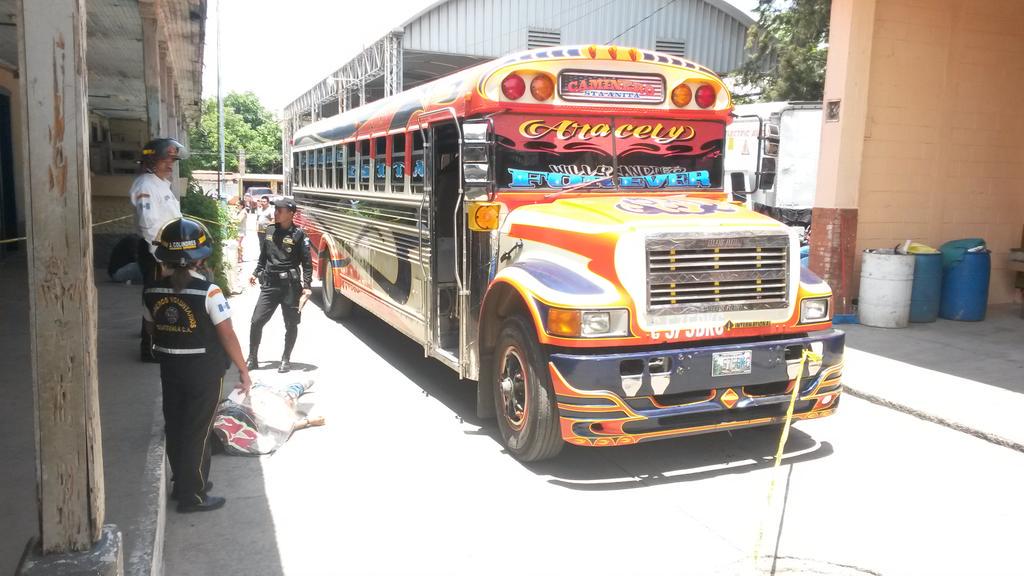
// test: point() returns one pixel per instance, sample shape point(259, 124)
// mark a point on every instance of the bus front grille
point(717, 272)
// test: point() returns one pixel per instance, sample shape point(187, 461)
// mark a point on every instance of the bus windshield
point(538, 152)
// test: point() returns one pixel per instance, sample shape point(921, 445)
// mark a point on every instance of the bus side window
point(329, 167)
point(418, 169)
point(318, 168)
point(301, 167)
point(350, 166)
point(364, 164)
point(380, 164)
point(339, 166)
point(397, 165)
point(296, 167)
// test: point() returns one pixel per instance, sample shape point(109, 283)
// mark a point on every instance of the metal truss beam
point(382, 58)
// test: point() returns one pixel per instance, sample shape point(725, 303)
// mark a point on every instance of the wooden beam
point(62, 295)
point(151, 67)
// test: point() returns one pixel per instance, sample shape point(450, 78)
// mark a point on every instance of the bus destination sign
point(608, 87)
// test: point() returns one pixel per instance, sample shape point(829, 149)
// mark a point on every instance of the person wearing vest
point(284, 249)
point(190, 321)
point(155, 205)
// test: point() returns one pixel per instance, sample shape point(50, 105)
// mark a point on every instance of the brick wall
point(944, 145)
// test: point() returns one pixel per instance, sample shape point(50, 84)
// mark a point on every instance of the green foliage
point(247, 126)
point(217, 218)
point(787, 49)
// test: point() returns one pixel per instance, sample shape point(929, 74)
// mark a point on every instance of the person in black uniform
point(283, 251)
point(190, 322)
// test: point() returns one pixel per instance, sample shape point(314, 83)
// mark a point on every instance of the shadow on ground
point(989, 351)
point(245, 528)
point(649, 464)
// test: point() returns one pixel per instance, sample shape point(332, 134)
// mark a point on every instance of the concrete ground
point(404, 479)
point(967, 375)
point(129, 410)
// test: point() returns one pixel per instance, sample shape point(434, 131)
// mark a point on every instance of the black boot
point(253, 362)
point(209, 503)
point(285, 366)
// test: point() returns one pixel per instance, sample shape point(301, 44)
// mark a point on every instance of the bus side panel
point(377, 259)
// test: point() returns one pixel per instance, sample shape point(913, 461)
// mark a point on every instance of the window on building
point(419, 168)
point(542, 38)
point(398, 162)
point(673, 47)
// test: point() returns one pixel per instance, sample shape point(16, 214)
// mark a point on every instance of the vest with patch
point(181, 325)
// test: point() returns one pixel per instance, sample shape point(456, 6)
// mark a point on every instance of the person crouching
point(193, 340)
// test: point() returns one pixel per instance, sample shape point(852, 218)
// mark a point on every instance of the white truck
point(771, 158)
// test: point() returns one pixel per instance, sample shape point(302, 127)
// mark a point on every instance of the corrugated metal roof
point(713, 30)
point(450, 34)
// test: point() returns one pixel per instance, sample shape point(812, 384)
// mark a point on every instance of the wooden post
point(62, 294)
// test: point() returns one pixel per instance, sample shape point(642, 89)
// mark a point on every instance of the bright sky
point(279, 49)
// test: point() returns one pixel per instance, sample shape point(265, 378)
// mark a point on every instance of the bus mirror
point(474, 153)
point(475, 173)
point(739, 182)
point(475, 132)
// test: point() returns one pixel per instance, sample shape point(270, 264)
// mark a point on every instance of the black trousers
point(191, 391)
point(148, 266)
point(286, 295)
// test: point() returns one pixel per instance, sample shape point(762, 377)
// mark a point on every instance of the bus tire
point(336, 305)
point(523, 397)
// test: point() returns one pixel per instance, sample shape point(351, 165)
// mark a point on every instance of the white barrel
point(886, 280)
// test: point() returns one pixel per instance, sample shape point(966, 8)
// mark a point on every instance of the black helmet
point(182, 242)
point(161, 148)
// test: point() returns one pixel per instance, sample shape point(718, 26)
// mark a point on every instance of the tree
point(247, 126)
point(787, 49)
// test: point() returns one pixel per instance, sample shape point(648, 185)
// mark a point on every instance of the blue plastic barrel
point(924, 296)
point(965, 288)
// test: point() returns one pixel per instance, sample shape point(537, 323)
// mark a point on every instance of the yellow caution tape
point(783, 438)
point(194, 217)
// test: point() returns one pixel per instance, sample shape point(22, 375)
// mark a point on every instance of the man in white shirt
point(264, 217)
point(155, 205)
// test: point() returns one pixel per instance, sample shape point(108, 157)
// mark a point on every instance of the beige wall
point(944, 142)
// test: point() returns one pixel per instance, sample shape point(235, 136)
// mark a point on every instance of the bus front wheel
point(336, 306)
point(523, 398)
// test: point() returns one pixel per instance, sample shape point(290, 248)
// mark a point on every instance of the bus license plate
point(730, 363)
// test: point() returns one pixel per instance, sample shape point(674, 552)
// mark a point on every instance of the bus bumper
point(626, 398)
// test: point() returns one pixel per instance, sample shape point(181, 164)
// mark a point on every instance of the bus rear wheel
point(523, 398)
point(336, 306)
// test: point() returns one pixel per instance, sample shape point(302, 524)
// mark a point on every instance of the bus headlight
point(813, 310)
point(588, 323)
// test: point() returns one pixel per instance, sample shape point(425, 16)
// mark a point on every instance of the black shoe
point(284, 367)
point(209, 486)
point(253, 363)
point(209, 503)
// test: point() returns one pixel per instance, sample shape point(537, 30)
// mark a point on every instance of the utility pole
point(220, 114)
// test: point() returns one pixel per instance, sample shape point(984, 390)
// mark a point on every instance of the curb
point(935, 419)
point(149, 560)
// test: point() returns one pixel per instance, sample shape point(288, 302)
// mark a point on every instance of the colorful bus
point(553, 226)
